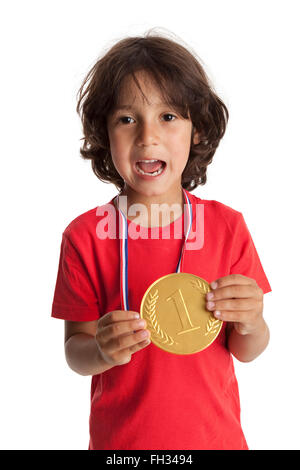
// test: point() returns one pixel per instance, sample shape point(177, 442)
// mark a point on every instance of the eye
point(169, 115)
point(124, 119)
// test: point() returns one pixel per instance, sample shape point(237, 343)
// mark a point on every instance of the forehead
point(146, 91)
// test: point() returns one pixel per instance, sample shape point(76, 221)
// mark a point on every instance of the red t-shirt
point(158, 400)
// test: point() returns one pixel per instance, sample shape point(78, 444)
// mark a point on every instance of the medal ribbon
point(123, 234)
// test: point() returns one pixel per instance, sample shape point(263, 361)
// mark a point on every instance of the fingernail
point(217, 313)
point(214, 285)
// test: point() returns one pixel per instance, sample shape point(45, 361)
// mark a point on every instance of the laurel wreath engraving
point(200, 286)
point(150, 311)
point(212, 324)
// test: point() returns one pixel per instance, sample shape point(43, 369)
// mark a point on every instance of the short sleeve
point(74, 298)
point(245, 259)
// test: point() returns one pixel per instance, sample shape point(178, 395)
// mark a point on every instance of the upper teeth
point(149, 161)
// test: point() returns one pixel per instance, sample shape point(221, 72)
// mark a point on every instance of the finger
point(232, 304)
point(121, 328)
point(124, 355)
point(123, 342)
point(138, 346)
point(230, 316)
point(233, 291)
point(117, 316)
point(233, 279)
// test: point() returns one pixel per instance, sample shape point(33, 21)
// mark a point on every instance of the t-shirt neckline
point(160, 229)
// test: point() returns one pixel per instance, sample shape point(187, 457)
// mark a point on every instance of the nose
point(147, 134)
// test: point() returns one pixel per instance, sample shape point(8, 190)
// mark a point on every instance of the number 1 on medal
point(183, 313)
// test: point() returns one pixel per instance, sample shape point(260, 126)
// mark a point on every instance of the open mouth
point(150, 167)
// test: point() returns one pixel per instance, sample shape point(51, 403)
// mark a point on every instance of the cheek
point(121, 158)
point(118, 148)
point(179, 145)
point(113, 142)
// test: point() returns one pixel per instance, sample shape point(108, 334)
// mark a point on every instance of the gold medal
point(174, 307)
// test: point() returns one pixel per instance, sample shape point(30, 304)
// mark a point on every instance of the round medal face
point(174, 307)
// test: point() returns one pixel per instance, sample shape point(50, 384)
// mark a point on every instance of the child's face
point(150, 130)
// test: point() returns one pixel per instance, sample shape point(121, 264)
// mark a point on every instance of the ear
point(196, 136)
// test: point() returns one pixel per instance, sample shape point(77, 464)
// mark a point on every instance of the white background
point(250, 50)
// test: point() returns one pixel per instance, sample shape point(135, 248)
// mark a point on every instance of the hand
point(119, 335)
point(239, 300)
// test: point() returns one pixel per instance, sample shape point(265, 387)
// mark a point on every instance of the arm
point(247, 347)
point(239, 301)
point(81, 350)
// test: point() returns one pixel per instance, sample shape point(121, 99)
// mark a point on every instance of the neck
point(157, 210)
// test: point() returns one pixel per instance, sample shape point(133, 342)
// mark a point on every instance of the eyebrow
point(128, 106)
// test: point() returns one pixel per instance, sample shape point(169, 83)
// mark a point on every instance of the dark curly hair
point(182, 83)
